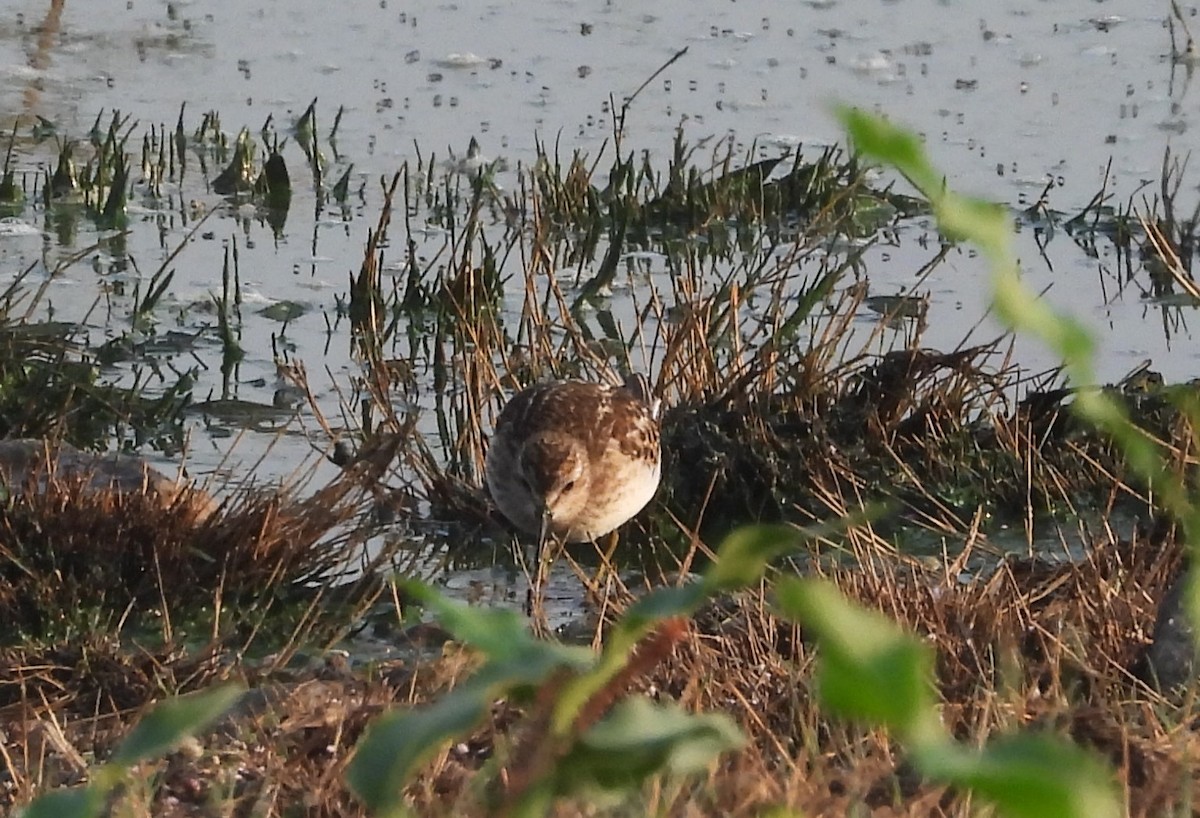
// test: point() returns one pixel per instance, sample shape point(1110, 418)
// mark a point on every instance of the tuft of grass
point(74, 559)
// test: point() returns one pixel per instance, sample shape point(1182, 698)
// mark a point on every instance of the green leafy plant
point(989, 227)
point(986, 225)
point(869, 669)
point(872, 671)
point(587, 740)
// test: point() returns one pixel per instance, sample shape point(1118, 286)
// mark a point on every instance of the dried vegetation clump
point(80, 553)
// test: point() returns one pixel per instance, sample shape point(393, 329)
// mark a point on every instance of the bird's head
point(554, 469)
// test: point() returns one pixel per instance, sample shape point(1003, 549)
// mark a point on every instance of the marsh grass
point(50, 385)
point(783, 406)
point(76, 560)
point(780, 409)
point(1035, 644)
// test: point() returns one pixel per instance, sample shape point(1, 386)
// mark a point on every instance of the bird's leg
point(535, 599)
point(610, 548)
point(605, 547)
point(533, 593)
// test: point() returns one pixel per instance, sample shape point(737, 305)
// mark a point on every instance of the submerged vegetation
point(779, 411)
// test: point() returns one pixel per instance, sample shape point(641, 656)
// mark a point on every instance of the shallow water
point(1028, 94)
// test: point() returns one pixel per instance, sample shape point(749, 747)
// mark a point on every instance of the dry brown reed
point(74, 557)
point(1035, 644)
point(779, 399)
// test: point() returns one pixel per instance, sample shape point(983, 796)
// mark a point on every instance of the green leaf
point(963, 219)
point(173, 719)
point(516, 657)
point(869, 669)
point(1029, 776)
point(640, 738)
point(1191, 593)
point(528, 670)
point(77, 802)
point(501, 634)
point(875, 137)
point(498, 632)
point(660, 604)
point(399, 741)
point(744, 554)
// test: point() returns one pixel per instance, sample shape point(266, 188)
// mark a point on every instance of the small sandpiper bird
point(574, 460)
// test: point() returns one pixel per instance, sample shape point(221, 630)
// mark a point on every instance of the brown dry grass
point(74, 559)
point(1034, 645)
point(780, 400)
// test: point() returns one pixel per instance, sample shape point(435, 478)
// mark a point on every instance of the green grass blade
point(172, 720)
point(78, 802)
point(398, 742)
point(1030, 776)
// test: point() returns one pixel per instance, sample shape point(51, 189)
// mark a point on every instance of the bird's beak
point(544, 528)
point(534, 602)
